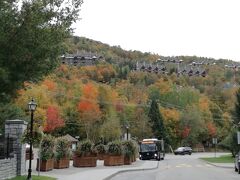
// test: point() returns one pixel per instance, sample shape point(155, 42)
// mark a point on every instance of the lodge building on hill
point(81, 59)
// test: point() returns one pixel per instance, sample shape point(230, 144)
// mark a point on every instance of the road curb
point(216, 165)
point(129, 170)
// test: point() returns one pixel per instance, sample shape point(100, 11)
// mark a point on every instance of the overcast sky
point(209, 28)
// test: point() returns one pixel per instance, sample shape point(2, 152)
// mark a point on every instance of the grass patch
point(221, 159)
point(33, 178)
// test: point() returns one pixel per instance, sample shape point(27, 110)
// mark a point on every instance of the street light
point(127, 127)
point(32, 105)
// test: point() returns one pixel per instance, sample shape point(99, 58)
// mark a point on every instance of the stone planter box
point(45, 165)
point(85, 161)
point(127, 160)
point(61, 163)
point(111, 160)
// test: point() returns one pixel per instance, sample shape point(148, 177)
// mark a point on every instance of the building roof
point(70, 138)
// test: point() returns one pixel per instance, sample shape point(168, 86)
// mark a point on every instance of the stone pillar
point(14, 129)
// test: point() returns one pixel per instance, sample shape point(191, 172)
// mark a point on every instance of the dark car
point(183, 151)
point(237, 163)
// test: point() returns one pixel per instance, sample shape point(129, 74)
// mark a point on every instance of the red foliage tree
point(53, 119)
point(87, 106)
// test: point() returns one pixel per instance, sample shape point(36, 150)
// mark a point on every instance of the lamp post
point(127, 127)
point(32, 105)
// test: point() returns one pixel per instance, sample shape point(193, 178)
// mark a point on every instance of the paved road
point(182, 168)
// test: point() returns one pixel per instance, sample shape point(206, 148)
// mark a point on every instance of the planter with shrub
point(114, 156)
point(46, 154)
point(61, 154)
point(85, 156)
point(128, 151)
point(101, 151)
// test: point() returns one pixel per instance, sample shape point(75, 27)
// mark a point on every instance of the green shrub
point(230, 142)
point(85, 148)
point(128, 148)
point(136, 147)
point(36, 139)
point(47, 147)
point(114, 148)
point(62, 148)
point(100, 149)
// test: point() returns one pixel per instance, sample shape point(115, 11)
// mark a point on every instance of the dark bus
point(151, 149)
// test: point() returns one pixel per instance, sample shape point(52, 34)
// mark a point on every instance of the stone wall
point(14, 166)
point(8, 168)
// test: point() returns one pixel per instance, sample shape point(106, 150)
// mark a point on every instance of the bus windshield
point(147, 147)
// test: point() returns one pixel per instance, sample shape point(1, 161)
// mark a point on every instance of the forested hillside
point(98, 102)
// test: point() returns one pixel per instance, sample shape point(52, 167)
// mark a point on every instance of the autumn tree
point(217, 114)
point(51, 86)
point(171, 121)
point(230, 142)
point(88, 108)
point(72, 124)
point(140, 126)
point(106, 98)
point(192, 127)
point(111, 128)
point(31, 39)
point(212, 131)
point(54, 119)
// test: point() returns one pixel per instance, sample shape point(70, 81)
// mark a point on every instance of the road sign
point(214, 140)
point(238, 137)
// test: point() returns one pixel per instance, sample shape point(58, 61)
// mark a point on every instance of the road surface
point(182, 168)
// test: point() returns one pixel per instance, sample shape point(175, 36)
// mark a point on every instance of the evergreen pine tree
point(156, 119)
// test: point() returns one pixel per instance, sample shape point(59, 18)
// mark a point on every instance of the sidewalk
point(222, 165)
point(100, 172)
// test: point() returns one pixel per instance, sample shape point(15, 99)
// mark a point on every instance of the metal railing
point(6, 147)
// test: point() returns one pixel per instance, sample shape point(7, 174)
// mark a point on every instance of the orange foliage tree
point(51, 86)
point(88, 108)
point(211, 129)
point(171, 120)
point(53, 119)
point(186, 132)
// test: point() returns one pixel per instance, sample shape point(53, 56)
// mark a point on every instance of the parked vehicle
point(183, 151)
point(237, 163)
point(151, 149)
